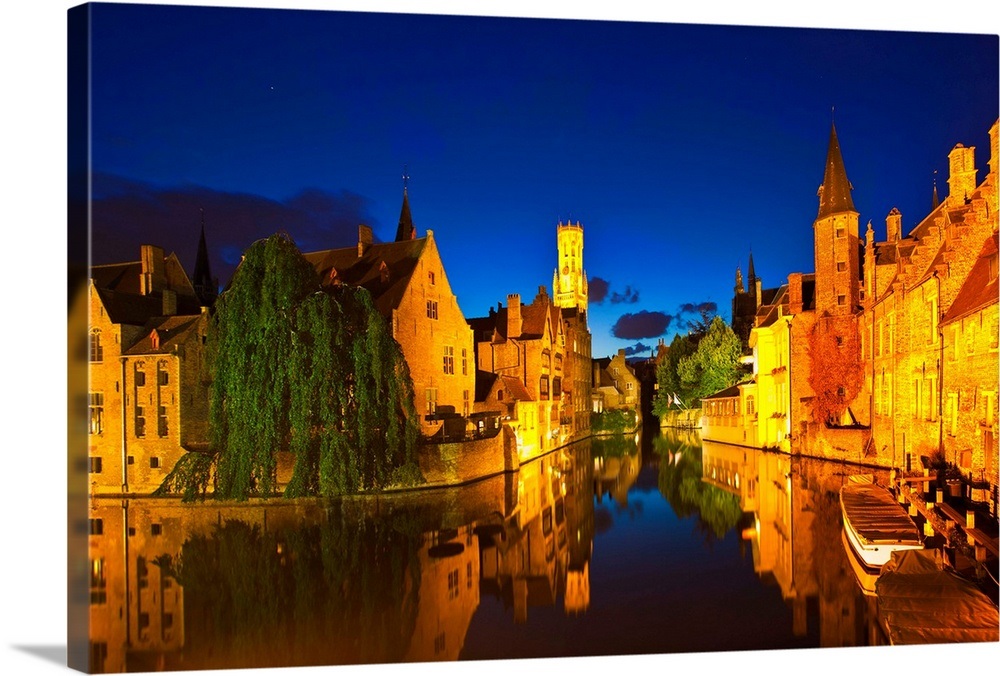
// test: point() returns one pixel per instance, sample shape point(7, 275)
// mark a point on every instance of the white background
point(32, 244)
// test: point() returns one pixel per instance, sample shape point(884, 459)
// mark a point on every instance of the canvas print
point(403, 338)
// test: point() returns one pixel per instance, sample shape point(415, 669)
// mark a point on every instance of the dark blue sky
point(678, 147)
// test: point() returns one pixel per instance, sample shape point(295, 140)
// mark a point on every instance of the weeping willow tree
point(311, 370)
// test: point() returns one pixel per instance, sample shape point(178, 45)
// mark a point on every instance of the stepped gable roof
point(835, 192)
point(937, 260)
point(172, 332)
point(885, 253)
point(400, 259)
point(980, 288)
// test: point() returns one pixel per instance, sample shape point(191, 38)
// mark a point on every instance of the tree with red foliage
point(836, 374)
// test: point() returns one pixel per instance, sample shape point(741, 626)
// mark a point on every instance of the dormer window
point(383, 271)
point(154, 338)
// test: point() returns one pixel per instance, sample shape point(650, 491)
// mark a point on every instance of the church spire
point(739, 288)
point(204, 285)
point(935, 201)
point(835, 193)
point(405, 229)
point(751, 275)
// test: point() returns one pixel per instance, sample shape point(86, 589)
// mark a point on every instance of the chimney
point(962, 174)
point(513, 315)
point(364, 239)
point(621, 353)
point(795, 293)
point(993, 151)
point(169, 303)
point(154, 277)
point(893, 225)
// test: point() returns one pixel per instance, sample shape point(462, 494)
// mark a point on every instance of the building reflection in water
point(795, 537)
point(399, 578)
point(307, 582)
point(543, 551)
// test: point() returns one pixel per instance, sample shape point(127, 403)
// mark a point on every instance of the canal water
point(657, 543)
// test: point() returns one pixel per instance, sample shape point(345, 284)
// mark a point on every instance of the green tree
point(312, 370)
point(666, 373)
point(715, 363)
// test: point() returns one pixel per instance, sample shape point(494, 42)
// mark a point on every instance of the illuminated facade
point(409, 287)
point(147, 397)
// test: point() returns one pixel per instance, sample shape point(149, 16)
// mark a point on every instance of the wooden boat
point(865, 576)
point(875, 524)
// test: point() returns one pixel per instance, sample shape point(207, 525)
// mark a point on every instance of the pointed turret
point(405, 230)
point(835, 193)
point(204, 286)
point(751, 275)
point(935, 200)
point(739, 288)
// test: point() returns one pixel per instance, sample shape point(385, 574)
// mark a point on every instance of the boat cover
point(876, 516)
point(922, 601)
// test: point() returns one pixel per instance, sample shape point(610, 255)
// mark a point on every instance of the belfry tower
point(836, 241)
point(569, 283)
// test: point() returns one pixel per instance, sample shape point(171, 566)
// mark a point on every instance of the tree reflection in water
point(716, 511)
point(332, 593)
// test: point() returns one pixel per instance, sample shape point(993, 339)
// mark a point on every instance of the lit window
point(432, 309)
point(431, 401)
point(96, 412)
point(98, 582)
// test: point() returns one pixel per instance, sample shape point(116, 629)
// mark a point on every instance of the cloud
point(597, 289)
point(629, 296)
point(642, 324)
point(638, 348)
point(127, 214)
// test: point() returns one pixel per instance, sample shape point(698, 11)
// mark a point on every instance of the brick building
point(616, 383)
point(930, 323)
point(147, 399)
point(409, 287)
point(527, 343)
point(918, 320)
